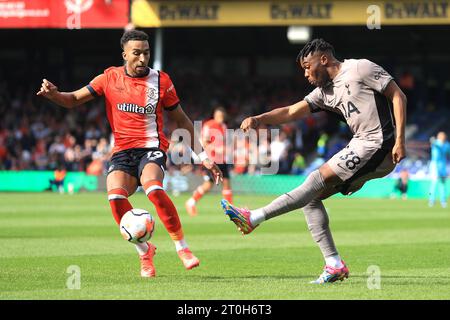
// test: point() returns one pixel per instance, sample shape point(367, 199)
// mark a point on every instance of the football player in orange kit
point(136, 97)
point(213, 139)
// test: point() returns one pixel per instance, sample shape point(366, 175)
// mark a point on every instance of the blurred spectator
point(241, 156)
point(279, 152)
point(322, 144)
point(298, 165)
point(100, 158)
point(315, 164)
point(406, 81)
point(401, 185)
point(58, 181)
point(440, 152)
point(57, 147)
point(298, 138)
point(263, 153)
point(336, 143)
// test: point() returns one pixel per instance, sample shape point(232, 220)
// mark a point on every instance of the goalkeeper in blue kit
point(440, 151)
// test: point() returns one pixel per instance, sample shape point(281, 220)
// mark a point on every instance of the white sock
point(191, 202)
point(141, 248)
point(180, 244)
point(257, 216)
point(334, 261)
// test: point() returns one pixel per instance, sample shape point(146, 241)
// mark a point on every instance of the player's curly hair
point(315, 45)
point(133, 35)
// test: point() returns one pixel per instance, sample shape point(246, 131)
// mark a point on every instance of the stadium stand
point(35, 135)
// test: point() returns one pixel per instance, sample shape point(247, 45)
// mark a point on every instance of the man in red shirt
point(135, 98)
point(213, 139)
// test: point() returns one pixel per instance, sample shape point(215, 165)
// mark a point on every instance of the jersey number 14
point(349, 109)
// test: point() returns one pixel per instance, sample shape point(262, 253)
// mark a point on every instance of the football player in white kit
point(361, 93)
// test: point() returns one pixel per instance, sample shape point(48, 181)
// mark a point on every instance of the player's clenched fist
point(249, 123)
point(48, 89)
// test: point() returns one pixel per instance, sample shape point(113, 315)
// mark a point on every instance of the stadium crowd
point(36, 135)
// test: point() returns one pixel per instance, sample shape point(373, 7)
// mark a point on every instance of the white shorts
point(360, 162)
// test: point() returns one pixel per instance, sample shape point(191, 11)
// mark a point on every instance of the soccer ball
point(137, 226)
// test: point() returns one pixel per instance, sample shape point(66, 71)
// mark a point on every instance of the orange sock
point(198, 193)
point(228, 195)
point(118, 200)
point(164, 208)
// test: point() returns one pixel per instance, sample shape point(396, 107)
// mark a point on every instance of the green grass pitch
point(42, 235)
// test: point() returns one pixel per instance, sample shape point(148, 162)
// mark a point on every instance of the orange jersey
point(134, 106)
point(214, 134)
point(60, 175)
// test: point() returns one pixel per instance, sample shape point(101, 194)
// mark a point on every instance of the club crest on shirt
point(151, 93)
point(347, 86)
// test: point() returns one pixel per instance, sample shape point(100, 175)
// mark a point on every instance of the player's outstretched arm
point(278, 116)
point(398, 98)
point(64, 99)
point(183, 121)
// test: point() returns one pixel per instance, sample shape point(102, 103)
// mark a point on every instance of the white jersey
point(356, 95)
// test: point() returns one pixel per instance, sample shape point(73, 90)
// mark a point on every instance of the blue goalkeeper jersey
point(439, 153)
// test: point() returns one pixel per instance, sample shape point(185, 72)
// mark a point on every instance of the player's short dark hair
point(133, 35)
point(315, 45)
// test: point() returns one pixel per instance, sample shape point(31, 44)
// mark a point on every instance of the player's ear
point(323, 59)
point(124, 56)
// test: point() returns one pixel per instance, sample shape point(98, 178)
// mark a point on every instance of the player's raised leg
point(316, 218)
point(240, 216)
point(151, 180)
point(120, 186)
point(311, 188)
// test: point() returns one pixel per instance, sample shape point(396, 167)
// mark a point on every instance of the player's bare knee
point(121, 180)
point(152, 171)
point(116, 194)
